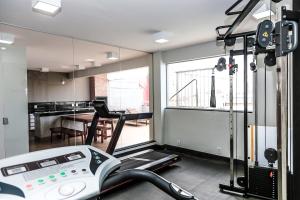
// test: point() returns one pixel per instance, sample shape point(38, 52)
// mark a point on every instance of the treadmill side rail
point(170, 188)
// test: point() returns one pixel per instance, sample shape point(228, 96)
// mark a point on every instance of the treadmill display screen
point(48, 163)
point(74, 157)
point(16, 170)
point(39, 164)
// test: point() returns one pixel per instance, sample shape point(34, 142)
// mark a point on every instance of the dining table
point(86, 119)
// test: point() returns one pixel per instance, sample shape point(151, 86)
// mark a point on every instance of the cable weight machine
point(277, 43)
point(233, 67)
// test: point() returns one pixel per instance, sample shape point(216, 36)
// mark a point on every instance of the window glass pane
point(189, 84)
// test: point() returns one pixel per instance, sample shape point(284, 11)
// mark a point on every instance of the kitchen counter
point(66, 112)
point(46, 120)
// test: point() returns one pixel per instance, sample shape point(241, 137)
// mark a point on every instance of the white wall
point(43, 87)
point(159, 96)
point(204, 131)
point(13, 78)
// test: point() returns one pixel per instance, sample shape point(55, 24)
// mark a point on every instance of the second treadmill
point(145, 156)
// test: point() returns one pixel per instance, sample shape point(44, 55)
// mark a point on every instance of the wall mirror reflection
point(58, 79)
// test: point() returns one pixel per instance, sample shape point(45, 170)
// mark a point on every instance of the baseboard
point(201, 154)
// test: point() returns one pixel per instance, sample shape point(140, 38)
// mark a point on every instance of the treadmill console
point(70, 173)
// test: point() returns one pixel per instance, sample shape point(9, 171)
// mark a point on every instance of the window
point(189, 84)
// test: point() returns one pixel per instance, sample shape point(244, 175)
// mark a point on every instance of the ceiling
point(57, 53)
point(127, 23)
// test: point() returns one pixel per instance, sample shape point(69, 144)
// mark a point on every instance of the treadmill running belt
point(143, 159)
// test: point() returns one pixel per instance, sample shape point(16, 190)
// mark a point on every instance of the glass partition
point(48, 84)
point(128, 90)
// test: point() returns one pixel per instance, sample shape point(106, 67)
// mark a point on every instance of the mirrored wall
point(49, 83)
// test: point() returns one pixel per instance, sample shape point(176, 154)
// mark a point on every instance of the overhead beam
point(242, 15)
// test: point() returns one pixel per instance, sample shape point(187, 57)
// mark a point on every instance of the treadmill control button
point(40, 181)
point(74, 171)
point(51, 176)
point(84, 170)
point(98, 162)
point(97, 157)
point(29, 186)
point(66, 190)
point(63, 174)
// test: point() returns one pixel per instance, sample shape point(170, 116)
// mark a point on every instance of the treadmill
point(144, 156)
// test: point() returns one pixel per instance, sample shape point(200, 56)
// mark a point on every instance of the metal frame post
point(294, 191)
point(231, 129)
point(231, 189)
point(246, 114)
point(282, 126)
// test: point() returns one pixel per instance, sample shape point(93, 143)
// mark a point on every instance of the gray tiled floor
point(199, 176)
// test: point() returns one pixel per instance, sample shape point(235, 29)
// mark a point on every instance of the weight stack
point(263, 182)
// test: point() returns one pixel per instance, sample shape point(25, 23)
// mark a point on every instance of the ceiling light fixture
point(112, 56)
point(48, 7)
point(263, 12)
point(45, 69)
point(161, 37)
point(3, 48)
point(161, 41)
point(7, 38)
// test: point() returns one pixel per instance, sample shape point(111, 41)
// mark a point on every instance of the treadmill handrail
point(143, 175)
point(103, 111)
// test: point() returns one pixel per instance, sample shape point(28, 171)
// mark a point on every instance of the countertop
point(65, 112)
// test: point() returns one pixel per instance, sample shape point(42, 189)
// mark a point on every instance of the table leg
point(96, 135)
point(61, 125)
point(85, 132)
point(105, 123)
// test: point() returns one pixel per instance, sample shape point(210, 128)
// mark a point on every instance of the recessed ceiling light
point(112, 56)
point(3, 48)
point(263, 12)
point(7, 38)
point(90, 60)
point(45, 69)
point(48, 7)
point(161, 41)
point(161, 37)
